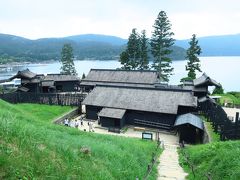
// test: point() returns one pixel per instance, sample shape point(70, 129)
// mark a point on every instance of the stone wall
point(68, 115)
point(206, 138)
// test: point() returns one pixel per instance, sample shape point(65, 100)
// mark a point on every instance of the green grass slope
point(221, 160)
point(32, 147)
point(230, 97)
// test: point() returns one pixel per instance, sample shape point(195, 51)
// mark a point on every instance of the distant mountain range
point(225, 45)
point(102, 47)
point(85, 47)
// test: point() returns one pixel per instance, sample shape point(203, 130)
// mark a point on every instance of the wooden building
point(30, 82)
point(199, 86)
point(62, 82)
point(190, 128)
point(39, 83)
point(120, 105)
point(120, 97)
point(136, 78)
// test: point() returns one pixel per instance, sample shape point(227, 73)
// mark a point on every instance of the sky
point(35, 19)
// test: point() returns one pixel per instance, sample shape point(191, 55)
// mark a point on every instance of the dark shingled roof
point(142, 99)
point(34, 80)
point(112, 113)
point(23, 89)
point(195, 89)
point(4, 80)
point(97, 76)
point(206, 98)
point(189, 119)
point(61, 77)
point(24, 74)
point(91, 83)
point(205, 80)
point(47, 83)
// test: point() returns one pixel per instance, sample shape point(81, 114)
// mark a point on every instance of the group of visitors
point(77, 123)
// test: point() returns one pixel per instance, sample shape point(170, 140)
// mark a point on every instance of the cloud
point(56, 18)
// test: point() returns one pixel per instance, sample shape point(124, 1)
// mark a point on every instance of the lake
point(225, 70)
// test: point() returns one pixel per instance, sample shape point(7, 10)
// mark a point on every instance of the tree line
point(135, 56)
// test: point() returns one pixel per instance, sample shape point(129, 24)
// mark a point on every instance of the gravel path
point(169, 168)
point(231, 112)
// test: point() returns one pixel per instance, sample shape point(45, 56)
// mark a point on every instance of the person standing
point(66, 122)
point(76, 123)
point(81, 122)
point(89, 125)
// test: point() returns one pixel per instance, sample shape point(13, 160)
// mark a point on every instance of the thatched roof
point(112, 113)
point(61, 77)
point(189, 119)
point(142, 99)
point(24, 74)
point(205, 80)
point(97, 76)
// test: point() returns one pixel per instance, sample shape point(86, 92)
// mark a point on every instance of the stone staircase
point(169, 168)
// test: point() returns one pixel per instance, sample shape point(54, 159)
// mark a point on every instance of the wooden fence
point(221, 124)
point(63, 99)
point(191, 165)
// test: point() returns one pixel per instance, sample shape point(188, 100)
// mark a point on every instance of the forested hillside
point(89, 46)
point(225, 45)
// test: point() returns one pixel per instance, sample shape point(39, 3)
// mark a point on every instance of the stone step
point(174, 167)
point(169, 167)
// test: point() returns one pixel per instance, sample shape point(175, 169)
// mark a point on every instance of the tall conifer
point(161, 41)
point(68, 66)
point(131, 56)
point(144, 59)
point(193, 63)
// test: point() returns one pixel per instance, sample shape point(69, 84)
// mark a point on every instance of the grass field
point(221, 160)
point(31, 147)
point(218, 160)
point(213, 137)
point(230, 97)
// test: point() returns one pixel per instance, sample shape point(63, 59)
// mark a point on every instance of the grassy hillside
point(214, 137)
point(32, 147)
point(217, 160)
point(221, 160)
point(230, 97)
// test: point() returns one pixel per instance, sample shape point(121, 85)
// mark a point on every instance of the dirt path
point(231, 112)
point(169, 168)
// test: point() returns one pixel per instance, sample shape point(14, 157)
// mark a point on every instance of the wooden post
point(236, 124)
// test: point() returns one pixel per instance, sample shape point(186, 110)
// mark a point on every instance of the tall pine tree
point(67, 60)
point(193, 63)
point(131, 56)
point(161, 41)
point(144, 59)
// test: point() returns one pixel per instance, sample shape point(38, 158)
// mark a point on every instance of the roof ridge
point(117, 82)
point(123, 70)
point(144, 88)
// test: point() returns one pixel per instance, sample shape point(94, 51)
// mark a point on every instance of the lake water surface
point(225, 70)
